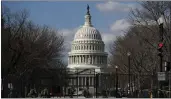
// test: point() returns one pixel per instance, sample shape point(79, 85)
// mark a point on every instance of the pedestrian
point(10, 95)
point(46, 93)
point(32, 93)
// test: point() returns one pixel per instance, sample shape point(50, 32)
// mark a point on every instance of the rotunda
point(88, 49)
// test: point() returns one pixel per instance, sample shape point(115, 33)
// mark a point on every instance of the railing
point(103, 83)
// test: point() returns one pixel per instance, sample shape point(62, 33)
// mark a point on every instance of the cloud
point(68, 37)
point(108, 38)
point(116, 29)
point(119, 26)
point(115, 6)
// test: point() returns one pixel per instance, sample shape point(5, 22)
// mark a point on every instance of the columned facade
point(88, 59)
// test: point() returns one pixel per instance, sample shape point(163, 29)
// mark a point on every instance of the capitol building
point(87, 55)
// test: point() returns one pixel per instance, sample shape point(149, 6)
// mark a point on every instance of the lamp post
point(116, 67)
point(161, 30)
point(129, 70)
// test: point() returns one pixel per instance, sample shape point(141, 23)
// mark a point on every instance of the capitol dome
point(87, 32)
point(87, 49)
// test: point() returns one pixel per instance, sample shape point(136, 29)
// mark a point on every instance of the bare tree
point(149, 15)
point(142, 40)
point(27, 46)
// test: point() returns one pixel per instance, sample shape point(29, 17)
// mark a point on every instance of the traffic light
point(160, 46)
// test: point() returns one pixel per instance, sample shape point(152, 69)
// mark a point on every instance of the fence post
point(169, 84)
point(77, 83)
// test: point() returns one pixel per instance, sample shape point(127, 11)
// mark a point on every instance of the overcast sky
point(109, 17)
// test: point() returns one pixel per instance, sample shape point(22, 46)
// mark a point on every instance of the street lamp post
point(129, 70)
point(116, 67)
point(161, 30)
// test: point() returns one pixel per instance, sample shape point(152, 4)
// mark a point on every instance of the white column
point(92, 59)
point(82, 81)
point(78, 81)
point(89, 80)
point(85, 81)
point(93, 80)
point(71, 60)
point(89, 59)
point(77, 59)
point(95, 59)
point(85, 59)
point(80, 59)
point(74, 59)
point(100, 60)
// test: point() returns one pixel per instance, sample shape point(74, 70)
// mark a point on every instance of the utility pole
point(169, 84)
point(160, 45)
point(116, 67)
point(97, 83)
point(170, 51)
point(77, 83)
point(129, 71)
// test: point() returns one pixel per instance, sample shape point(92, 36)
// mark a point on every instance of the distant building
point(87, 56)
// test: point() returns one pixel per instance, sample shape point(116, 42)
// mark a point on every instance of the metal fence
point(105, 83)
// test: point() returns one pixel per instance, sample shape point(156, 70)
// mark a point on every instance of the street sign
point(161, 76)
